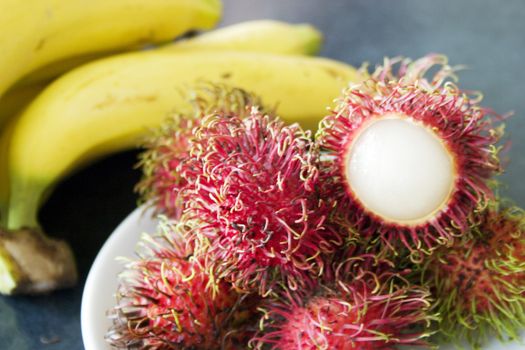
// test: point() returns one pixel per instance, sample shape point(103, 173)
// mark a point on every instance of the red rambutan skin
point(161, 182)
point(479, 281)
point(167, 300)
point(253, 182)
point(169, 145)
point(365, 306)
point(465, 129)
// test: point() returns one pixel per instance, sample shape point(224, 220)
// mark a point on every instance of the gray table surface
point(486, 35)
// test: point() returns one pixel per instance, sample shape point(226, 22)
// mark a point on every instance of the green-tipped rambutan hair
point(406, 155)
point(361, 304)
point(168, 300)
point(168, 146)
point(479, 280)
point(253, 182)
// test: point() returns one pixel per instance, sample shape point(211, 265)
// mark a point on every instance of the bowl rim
point(105, 268)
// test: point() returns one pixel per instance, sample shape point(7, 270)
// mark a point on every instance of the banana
point(15, 100)
point(38, 32)
point(109, 105)
point(255, 36)
point(57, 68)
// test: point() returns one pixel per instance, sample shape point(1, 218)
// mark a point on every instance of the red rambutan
point(407, 157)
point(160, 183)
point(253, 182)
point(479, 281)
point(169, 145)
point(167, 300)
point(366, 306)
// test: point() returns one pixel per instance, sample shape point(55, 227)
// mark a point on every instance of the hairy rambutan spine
point(253, 183)
point(464, 129)
point(364, 305)
point(169, 145)
point(479, 280)
point(168, 300)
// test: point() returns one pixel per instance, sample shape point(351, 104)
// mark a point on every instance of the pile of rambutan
point(381, 231)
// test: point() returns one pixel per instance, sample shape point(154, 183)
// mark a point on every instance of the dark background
point(486, 35)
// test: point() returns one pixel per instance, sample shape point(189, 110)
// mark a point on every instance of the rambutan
point(479, 281)
point(407, 157)
point(160, 183)
point(365, 306)
point(253, 183)
point(167, 300)
point(169, 145)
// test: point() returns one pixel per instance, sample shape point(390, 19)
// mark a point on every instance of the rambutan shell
point(254, 183)
point(479, 280)
point(363, 305)
point(169, 145)
point(167, 300)
point(465, 130)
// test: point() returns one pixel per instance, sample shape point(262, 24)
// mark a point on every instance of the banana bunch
point(252, 36)
point(112, 103)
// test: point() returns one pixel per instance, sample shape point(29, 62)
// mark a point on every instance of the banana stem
point(5, 140)
point(3, 211)
point(24, 202)
point(4, 190)
point(4, 194)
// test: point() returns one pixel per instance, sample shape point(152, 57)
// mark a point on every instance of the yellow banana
point(57, 68)
point(253, 36)
point(109, 105)
point(44, 31)
point(256, 36)
point(15, 100)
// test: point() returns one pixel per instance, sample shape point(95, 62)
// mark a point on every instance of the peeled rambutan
point(407, 157)
point(169, 145)
point(253, 183)
point(367, 305)
point(479, 280)
point(167, 300)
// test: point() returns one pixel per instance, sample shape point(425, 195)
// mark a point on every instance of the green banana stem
point(4, 184)
point(5, 137)
point(4, 206)
point(4, 196)
point(24, 201)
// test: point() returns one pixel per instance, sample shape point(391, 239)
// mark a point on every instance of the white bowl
point(101, 282)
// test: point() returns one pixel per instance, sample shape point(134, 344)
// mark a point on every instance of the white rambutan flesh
point(400, 169)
